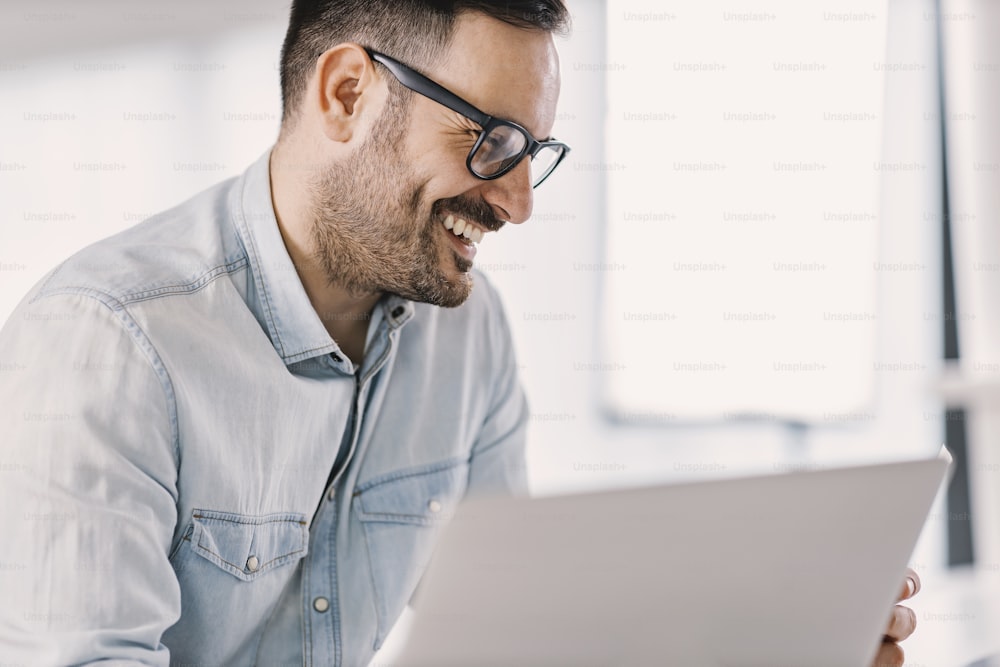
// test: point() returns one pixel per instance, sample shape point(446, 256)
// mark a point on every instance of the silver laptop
point(794, 569)
point(989, 661)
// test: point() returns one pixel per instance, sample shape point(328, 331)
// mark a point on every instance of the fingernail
point(911, 586)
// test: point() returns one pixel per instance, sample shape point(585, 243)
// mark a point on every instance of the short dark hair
point(414, 31)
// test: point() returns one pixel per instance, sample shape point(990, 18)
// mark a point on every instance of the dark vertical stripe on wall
point(959, 510)
point(959, 514)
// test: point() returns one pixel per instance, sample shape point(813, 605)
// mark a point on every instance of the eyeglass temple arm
point(417, 82)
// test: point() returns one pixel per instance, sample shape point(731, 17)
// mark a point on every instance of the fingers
point(889, 655)
point(902, 623)
point(911, 585)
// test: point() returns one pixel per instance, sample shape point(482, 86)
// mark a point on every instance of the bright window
point(743, 162)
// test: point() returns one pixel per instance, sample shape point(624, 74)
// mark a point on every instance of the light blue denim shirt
point(191, 472)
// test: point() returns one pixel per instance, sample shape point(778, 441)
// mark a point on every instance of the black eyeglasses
point(501, 144)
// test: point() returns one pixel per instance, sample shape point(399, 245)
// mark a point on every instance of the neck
point(344, 314)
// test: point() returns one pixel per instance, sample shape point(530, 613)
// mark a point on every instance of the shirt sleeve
point(88, 476)
point(498, 464)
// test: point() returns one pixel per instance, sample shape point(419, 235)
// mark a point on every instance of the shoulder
point(176, 251)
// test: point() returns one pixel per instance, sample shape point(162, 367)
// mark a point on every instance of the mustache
point(475, 210)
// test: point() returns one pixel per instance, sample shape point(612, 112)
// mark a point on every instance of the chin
point(457, 292)
point(445, 286)
point(454, 289)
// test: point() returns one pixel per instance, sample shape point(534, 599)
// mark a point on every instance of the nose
point(511, 195)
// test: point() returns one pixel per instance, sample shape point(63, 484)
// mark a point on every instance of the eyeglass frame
point(418, 83)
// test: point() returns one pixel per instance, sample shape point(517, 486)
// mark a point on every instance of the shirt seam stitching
point(191, 287)
point(212, 515)
point(376, 595)
point(144, 345)
point(127, 298)
point(411, 472)
point(304, 354)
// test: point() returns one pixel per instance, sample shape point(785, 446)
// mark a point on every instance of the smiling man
point(256, 410)
point(241, 424)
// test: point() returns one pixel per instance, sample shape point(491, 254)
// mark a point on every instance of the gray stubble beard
point(364, 238)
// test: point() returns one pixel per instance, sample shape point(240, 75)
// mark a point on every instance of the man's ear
point(351, 93)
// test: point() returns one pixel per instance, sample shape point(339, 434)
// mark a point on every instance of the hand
point(901, 625)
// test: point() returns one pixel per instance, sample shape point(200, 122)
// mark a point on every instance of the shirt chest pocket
point(248, 547)
point(402, 515)
point(228, 562)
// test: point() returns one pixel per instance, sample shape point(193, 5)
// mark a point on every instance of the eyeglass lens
point(503, 145)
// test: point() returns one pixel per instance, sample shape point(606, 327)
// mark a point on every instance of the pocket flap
point(248, 546)
point(423, 496)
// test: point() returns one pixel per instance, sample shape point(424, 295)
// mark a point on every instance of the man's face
point(381, 219)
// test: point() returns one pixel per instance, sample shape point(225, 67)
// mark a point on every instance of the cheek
point(451, 180)
point(443, 166)
point(446, 174)
point(436, 174)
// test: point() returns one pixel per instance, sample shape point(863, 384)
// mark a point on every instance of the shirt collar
point(280, 302)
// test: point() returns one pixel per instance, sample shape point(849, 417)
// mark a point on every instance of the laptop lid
point(788, 569)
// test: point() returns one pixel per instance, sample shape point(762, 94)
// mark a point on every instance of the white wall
point(137, 118)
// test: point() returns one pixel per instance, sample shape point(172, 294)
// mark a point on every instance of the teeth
point(462, 229)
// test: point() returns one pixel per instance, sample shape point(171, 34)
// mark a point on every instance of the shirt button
point(321, 604)
point(332, 495)
point(252, 564)
point(434, 506)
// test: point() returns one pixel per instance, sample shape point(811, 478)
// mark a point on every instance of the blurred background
point(773, 248)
